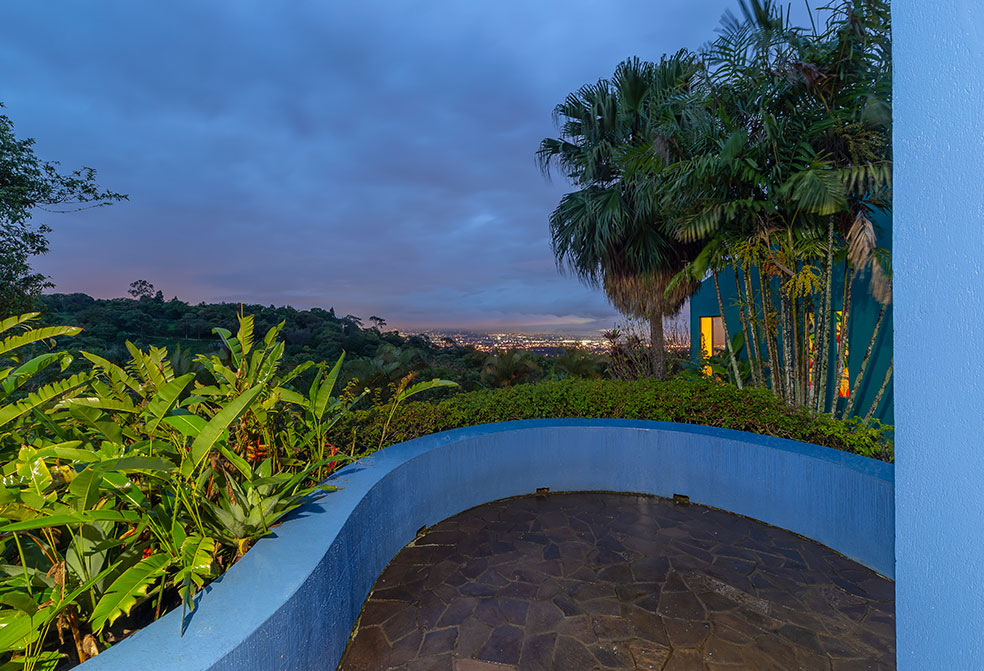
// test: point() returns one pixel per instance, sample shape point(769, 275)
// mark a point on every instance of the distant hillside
point(316, 334)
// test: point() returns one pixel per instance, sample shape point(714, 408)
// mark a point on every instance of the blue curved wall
point(292, 601)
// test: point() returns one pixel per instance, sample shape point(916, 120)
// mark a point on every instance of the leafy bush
point(126, 488)
point(689, 401)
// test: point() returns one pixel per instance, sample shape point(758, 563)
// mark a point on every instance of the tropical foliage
point(607, 232)
point(765, 155)
point(125, 488)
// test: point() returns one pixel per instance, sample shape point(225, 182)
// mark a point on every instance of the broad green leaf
point(115, 373)
point(217, 426)
point(241, 464)
point(34, 335)
point(291, 396)
point(73, 518)
point(245, 335)
point(196, 554)
point(17, 630)
point(68, 451)
point(135, 463)
point(165, 399)
point(325, 390)
point(20, 601)
point(42, 396)
point(126, 590)
point(425, 386)
point(23, 373)
point(98, 403)
point(188, 425)
point(233, 345)
point(16, 320)
point(85, 487)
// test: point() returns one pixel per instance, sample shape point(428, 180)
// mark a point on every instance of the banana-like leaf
point(325, 390)
point(291, 396)
point(135, 463)
point(241, 464)
point(188, 425)
point(217, 426)
point(196, 554)
point(17, 629)
point(16, 320)
point(42, 396)
point(165, 399)
point(124, 593)
point(98, 403)
point(85, 486)
point(73, 518)
point(19, 601)
point(245, 335)
point(34, 335)
point(15, 378)
point(235, 349)
point(425, 386)
point(116, 375)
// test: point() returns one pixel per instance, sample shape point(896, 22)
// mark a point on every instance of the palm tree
point(607, 232)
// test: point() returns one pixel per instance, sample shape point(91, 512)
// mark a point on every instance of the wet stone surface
point(610, 581)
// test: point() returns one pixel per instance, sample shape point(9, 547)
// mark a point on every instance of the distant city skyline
point(376, 157)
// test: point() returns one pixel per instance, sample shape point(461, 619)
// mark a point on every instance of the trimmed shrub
point(685, 400)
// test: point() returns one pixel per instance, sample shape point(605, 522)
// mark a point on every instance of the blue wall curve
point(292, 601)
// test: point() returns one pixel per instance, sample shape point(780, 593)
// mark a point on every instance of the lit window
point(711, 338)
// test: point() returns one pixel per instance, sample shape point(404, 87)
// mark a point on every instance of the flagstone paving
point(585, 581)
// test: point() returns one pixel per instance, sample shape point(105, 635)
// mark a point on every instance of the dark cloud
point(373, 156)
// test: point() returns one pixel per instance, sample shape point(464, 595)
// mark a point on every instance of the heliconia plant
point(125, 489)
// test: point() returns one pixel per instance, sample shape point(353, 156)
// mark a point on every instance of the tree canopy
point(29, 184)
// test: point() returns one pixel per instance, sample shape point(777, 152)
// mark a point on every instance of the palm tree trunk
point(753, 322)
point(822, 341)
point(657, 350)
point(853, 393)
point(727, 334)
point(881, 391)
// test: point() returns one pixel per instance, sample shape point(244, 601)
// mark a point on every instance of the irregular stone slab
point(590, 582)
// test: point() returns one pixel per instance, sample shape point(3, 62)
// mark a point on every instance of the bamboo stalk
point(787, 359)
point(823, 343)
point(753, 321)
point(727, 334)
point(881, 391)
point(845, 343)
point(794, 348)
point(839, 348)
point(852, 396)
point(743, 315)
point(770, 343)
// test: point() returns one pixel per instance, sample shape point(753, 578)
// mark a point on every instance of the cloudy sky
point(375, 156)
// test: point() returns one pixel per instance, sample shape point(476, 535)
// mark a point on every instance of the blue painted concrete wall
point(939, 330)
point(292, 601)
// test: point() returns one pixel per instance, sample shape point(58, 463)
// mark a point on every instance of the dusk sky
point(374, 156)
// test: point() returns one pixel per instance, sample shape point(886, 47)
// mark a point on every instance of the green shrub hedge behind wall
point(690, 401)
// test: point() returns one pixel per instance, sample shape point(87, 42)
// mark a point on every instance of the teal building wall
point(864, 314)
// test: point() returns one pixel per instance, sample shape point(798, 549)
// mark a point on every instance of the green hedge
point(685, 400)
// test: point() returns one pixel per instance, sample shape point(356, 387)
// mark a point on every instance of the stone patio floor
point(585, 581)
